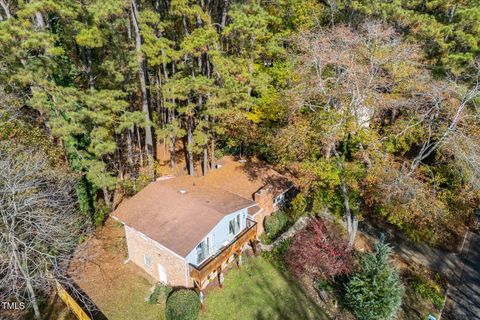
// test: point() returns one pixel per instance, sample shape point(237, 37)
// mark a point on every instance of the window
point(234, 226)
point(204, 249)
point(147, 260)
point(279, 199)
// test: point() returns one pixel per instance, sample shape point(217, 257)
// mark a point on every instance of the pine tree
point(375, 292)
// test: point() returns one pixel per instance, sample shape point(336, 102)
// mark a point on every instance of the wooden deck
point(200, 274)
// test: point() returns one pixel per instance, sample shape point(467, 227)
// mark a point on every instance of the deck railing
point(200, 273)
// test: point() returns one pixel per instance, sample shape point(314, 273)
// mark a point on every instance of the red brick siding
point(175, 266)
point(264, 199)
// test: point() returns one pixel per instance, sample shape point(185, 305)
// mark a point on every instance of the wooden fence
point(71, 303)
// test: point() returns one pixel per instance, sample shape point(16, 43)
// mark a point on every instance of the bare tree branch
point(40, 226)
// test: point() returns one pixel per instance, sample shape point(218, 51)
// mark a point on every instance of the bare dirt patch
point(120, 290)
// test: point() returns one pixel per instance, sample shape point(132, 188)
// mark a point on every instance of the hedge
point(276, 223)
point(183, 305)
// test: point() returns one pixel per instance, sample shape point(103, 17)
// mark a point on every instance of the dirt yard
point(119, 290)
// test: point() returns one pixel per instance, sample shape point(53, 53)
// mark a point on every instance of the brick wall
point(176, 267)
point(264, 199)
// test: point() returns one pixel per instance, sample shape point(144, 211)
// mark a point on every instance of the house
point(185, 230)
point(253, 180)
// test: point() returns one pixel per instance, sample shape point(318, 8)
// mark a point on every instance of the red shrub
point(319, 251)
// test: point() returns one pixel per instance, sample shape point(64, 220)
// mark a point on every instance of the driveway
point(464, 294)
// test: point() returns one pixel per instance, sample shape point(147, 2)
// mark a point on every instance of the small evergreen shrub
point(160, 293)
point(323, 285)
point(183, 304)
point(278, 254)
point(265, 239)
point(276, 223)
point(428, 289)
point(298, 207)
point(100, 214)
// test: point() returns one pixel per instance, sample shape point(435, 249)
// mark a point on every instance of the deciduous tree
point(39, 229)
point(319, 252)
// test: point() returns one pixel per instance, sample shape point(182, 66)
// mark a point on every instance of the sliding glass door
point(204, 249)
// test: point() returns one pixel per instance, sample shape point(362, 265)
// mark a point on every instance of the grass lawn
point(125, 300)
point(259, 290)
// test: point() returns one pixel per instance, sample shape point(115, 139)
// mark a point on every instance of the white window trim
point(211, 251)
point(240, 229)
point(282, 196)
point(160, 267)
point(148, 265)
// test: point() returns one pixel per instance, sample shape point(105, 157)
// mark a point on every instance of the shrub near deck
point(259, 291)
point(183, 305)
point(274, 226)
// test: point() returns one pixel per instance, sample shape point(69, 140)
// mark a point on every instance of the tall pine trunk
point(205, 158)
point(190, 145)
point(88, 52)
point(212, 154)
point(39, 22)
point(142, 74)
point(129, 147)
point(223, 22)
point(139, 140)
point(171, 115)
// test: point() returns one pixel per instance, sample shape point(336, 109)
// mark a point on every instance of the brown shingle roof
point(254, 210)
point(246, 178)
point(176, 220)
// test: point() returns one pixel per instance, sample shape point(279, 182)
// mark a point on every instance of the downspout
point(187, 274)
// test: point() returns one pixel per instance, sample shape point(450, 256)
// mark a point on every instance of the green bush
point(133, 185)
point(101, 212)
point(278, 253)
point(265, 239)
point(182, 305)
point(160, 293)
point(276, 223)
point(298, 207)
point(323, 285)
point(428, 289)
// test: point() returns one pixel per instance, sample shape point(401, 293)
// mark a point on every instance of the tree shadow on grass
point(269, 297)
point(296, 305)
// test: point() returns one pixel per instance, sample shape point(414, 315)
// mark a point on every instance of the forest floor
point(436, 259)
point(120, 290)
point(52, 308)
